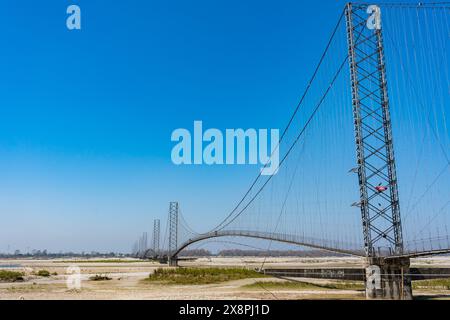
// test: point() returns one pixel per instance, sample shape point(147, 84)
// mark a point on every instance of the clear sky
point(86, 116)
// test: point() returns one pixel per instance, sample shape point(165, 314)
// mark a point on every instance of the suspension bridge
point(381, 88)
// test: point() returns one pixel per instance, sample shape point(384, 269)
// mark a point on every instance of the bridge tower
point(156, 235)
point(173, 232)
point(143, 243)
point(379, 200)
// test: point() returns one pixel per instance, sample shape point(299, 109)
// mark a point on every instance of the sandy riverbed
point(127, 280)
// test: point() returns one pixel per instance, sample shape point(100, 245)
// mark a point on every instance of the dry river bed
point(128, 280)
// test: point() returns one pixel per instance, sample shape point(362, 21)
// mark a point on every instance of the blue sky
point(86, 116)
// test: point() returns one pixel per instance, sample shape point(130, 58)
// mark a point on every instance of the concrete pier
point(388, 279)
point(173, 262)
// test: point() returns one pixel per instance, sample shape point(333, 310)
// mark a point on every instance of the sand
point(128, 280)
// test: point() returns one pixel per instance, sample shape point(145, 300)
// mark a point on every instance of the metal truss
point(156, 235)
point(173, 227)
point(379, 200)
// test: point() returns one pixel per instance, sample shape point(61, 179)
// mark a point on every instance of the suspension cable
point(322, 58)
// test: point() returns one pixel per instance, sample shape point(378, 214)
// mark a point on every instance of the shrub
point(201, 275)
point(11, 276)
point(99, 277)
point(43, 273)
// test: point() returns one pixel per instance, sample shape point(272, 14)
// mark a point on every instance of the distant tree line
point(196, 253)
point(184, 253)
point(277, 253)
point(259, 253)
point(50, 255)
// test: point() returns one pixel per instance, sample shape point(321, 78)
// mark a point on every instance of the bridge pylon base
point(388, 279)
point(173, 262)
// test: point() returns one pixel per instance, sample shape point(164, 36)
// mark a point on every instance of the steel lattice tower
point(173, 227)
point(156, 235)
point(379, 201)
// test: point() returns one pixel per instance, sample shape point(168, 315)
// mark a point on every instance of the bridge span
point(279, 237)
